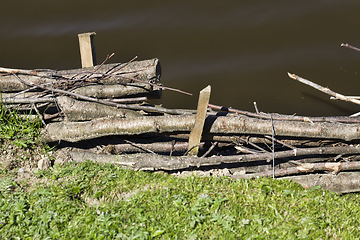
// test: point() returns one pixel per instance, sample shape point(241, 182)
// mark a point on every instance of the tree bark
point(344, 182)
point(119, 90)
point(75, 110)
point(116, 73)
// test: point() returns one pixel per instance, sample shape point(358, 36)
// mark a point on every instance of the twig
point(256, 108)
point(244, 149)
point(252, 144)
point(40, 117)
point(349, 46)
point(278, 141)
point(26, 100)
point(152, 84)
point(16, 71)
point(323, 89)
point(128, 100)
point(210, 149)
point(51, 116)
point(124, 65)
point(140, 147)
point(96, 69)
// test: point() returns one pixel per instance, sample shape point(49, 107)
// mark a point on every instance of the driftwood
point(324, 89)
point(76, 131)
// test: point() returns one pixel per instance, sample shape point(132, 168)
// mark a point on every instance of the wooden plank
point(87, 49)
point(196, 132)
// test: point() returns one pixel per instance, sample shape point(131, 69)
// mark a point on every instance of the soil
point(22, 163)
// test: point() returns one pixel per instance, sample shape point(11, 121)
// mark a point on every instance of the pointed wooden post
point(196, 132)
point(87, 49)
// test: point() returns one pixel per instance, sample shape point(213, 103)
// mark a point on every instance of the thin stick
point(124, 65)
point(26, 100)
point(162, 87)
point(281, 142)
point(51, 116)
point(96, 69)
point(209, 150)
point(349, 46)
point(256, 108)
point(37, 111)
point(140, 147)
point(252, 144)
point(323, 89)
point(128, 100)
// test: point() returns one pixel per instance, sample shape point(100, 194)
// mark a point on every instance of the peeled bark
point(116, 73)
point(73, 132)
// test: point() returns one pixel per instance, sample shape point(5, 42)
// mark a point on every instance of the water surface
point(243, 49)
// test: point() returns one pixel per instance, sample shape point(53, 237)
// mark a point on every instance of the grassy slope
point(89, 201)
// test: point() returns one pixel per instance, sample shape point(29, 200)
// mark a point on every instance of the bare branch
point(323, 89)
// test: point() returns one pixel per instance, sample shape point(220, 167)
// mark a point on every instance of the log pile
point(101, 113)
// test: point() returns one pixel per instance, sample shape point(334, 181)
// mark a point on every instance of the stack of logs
point(101, 113)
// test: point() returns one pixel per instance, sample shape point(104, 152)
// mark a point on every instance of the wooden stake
point(87, 49)
point(195, 135)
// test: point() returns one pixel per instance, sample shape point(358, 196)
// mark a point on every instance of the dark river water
point(243, 49)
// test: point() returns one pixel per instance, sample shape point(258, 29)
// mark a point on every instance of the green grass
point(89, 201)
point(21, 132)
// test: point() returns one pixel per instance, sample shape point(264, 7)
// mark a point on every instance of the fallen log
point(344, 182)
point(304, 168)
point(159, 162)
point(76, 131)
point(75, 110)
point(116, 73)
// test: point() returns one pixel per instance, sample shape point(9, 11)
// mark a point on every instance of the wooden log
point(116, 73)
point(344, 182)
point(119, 90)
point(214, 124)
point(160, 162)
point(75, 110)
